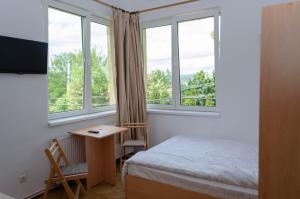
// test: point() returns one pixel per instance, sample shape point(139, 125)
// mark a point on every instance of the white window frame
point(173, 21)
point(155, 24)
point(87, 17)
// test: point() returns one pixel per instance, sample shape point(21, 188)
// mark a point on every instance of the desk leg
point(100, 156)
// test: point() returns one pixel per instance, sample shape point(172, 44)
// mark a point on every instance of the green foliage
point(66, 84)
point(66, 81)
point(159, 87)
point(197, 90)
point(212, 34)
point(100, 79)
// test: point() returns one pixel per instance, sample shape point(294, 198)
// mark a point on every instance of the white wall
point(24, 131)
point(238, 74)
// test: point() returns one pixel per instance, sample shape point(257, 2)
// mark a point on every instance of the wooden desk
point(100, 153)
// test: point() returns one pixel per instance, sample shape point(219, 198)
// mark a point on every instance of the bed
point(195, 168)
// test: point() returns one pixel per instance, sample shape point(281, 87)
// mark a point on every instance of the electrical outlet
point(22, 178)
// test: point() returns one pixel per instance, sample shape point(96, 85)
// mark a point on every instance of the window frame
point(176, 92)
point(155, 24)
point(86, 18)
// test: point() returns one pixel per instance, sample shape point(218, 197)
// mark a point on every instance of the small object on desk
point(92, 131)
point(102, 131)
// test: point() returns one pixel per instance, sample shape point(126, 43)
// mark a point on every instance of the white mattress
point(220, 168)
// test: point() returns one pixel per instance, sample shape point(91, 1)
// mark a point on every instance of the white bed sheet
point(224, 162)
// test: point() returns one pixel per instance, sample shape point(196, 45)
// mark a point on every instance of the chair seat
point(133, 143)
point(75, 169)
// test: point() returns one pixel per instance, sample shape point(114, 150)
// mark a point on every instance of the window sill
point(68, 120)
point(184, 113)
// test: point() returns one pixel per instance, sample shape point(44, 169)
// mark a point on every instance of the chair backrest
point(143, 126)
point(55, 155)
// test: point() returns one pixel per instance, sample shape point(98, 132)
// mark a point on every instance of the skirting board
point(39, 193)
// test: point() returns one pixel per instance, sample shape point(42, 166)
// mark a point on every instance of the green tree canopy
point(66, 84)
point(66, 81)
point(199, 90)
point(159, 87)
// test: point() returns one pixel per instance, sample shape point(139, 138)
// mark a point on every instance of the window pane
point(66, 70)
point(197, 62)
point(158, 58)
point(102, 85)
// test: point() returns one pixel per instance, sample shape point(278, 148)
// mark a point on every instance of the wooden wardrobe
point(280, 103)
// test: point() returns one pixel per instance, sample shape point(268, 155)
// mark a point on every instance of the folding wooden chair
point(125, 143)
point(65, 173)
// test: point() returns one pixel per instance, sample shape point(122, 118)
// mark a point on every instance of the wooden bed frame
point(139, 188)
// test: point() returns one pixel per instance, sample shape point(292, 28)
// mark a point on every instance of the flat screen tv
point(23, 56)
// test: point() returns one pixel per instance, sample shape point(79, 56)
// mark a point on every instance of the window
point(158, 64)
point(102, 90)
point(79, 71)
point(66, 69)
point(182, 55)
point(197, 62)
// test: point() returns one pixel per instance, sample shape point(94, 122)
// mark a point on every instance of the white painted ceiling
point(135, 5)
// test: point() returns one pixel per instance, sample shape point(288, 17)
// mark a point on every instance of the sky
point(65, 33)
point(196, 46)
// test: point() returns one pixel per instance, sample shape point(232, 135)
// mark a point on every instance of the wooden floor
point(102, 191)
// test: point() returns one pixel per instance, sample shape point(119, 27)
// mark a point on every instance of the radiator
point(74, 147)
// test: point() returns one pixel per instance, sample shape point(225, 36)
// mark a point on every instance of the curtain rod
point(150, 9)
point(167, 6)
